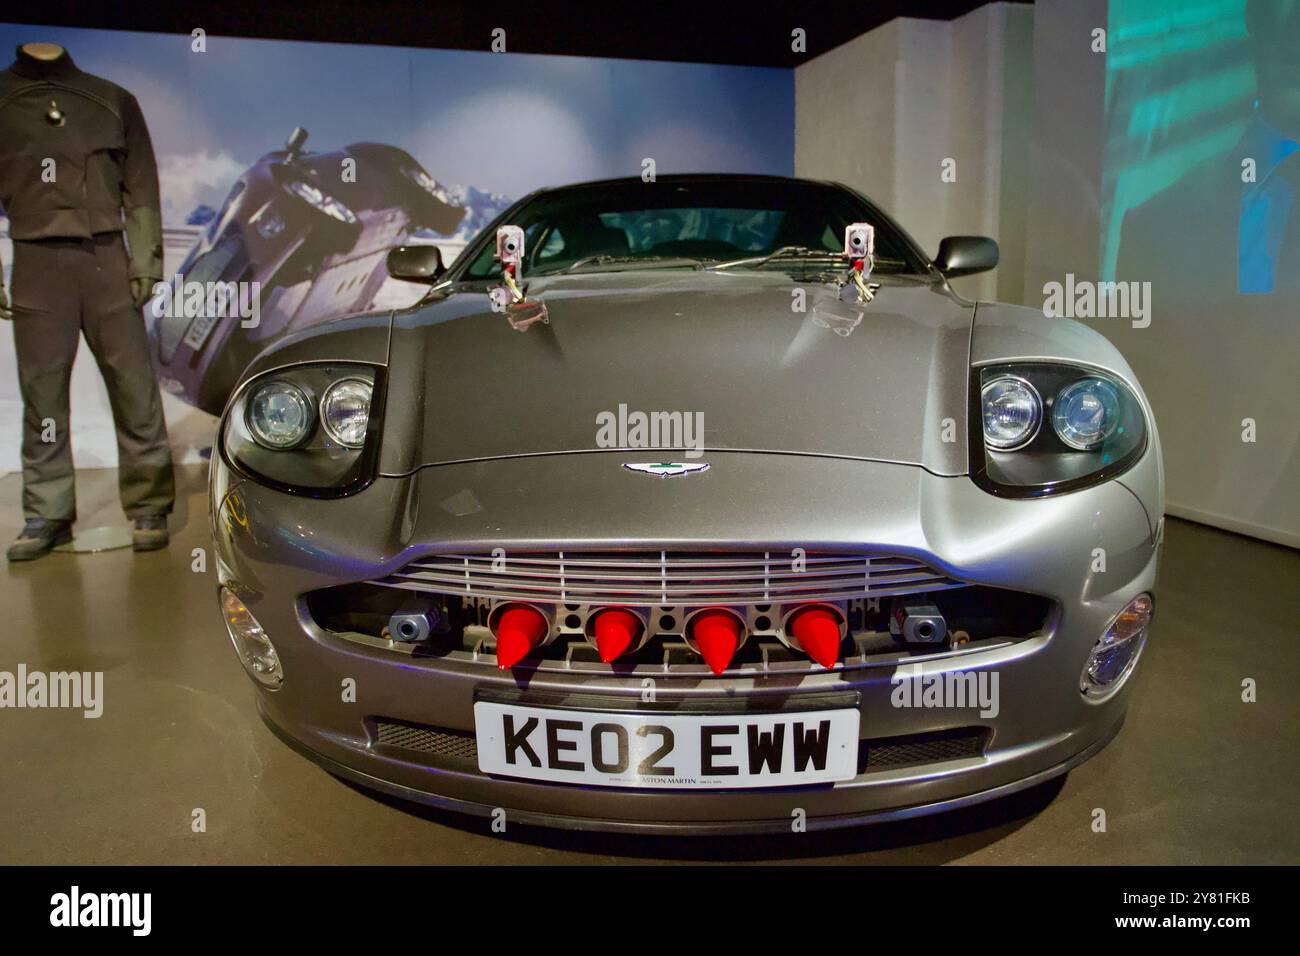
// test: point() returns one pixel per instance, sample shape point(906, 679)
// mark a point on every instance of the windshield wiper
point(785, 252)
point(805, 256)
point(606, 258)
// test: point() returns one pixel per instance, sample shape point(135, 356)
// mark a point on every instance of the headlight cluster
point(1116, 653)
point(1047, 428)
point(255, 650)
point(321, 201)
point(427, 183)
point(310, 428)
point(268, 222)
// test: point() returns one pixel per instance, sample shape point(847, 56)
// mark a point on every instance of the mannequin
point(81, 193)
point(43, 51)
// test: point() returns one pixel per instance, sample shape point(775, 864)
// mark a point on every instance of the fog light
point(251, 643)
point(1115, 654)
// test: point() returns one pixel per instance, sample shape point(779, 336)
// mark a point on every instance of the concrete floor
point(1196, 775)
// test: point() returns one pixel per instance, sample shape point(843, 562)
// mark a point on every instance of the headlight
point(279, 415)
point(1098, 428)
point(1115, 654)
point(1086, 413)
point(255, 650)
point(308, 429)
point(320, 200)
point(345, 411)
point(427, 183)
point(268, 222)
point(1012, 412)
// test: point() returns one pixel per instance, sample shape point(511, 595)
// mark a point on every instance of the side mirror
point(416, 264)
point(966, 255)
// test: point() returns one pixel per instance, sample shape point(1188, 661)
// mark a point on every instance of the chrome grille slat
point(781, 588)
point(824, 571)
point(463, 561)
point(669, 578)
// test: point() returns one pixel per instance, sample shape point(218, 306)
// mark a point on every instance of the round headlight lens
point(1012, 412)
point(1115, 653)
point(345, 411)
point(268, 222)
point(279, 416)
point(1085, 413)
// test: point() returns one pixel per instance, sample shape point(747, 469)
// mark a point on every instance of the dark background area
point(757, 34)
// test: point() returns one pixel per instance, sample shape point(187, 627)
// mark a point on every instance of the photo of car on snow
point(312, 230)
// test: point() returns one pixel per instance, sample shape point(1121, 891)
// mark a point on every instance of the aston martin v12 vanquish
point(701, 505)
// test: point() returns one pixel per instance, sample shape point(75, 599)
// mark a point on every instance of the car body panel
point(352, 338)
point(764, 376)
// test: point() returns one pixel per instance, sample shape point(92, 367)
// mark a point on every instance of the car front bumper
point(274, 548)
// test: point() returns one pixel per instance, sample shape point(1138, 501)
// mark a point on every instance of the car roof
point(688, 178)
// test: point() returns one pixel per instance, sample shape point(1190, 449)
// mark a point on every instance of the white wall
point(923, 91)
point(844, 114)
point(1068, 124)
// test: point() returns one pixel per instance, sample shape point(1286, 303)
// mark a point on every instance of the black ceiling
point(756, 33)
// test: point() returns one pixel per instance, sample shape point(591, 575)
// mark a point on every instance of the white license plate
point(667, 751)
point(200, 328)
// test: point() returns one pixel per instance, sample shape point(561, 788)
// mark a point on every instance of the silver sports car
point(700, 505)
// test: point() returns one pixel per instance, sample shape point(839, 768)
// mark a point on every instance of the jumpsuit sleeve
point(140, 200)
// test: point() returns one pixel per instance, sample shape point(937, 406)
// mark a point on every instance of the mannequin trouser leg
point(61, 288)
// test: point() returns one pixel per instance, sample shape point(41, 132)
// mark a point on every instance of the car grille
point(450, 745)
point(458, 749)
point(889, 753)
point(669, 578)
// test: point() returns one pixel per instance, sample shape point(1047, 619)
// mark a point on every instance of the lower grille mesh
point(450, 745)
point(888, 753)
point(457, 747)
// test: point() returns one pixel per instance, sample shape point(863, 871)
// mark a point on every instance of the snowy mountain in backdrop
point(480, 209)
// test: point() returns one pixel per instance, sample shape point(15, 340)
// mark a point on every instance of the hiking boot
point(149, 533)
point(38, 537)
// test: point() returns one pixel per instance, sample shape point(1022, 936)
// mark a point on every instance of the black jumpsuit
point(76, 170)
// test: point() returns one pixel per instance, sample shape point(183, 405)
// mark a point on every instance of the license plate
point(200, 328)
point(667, 751)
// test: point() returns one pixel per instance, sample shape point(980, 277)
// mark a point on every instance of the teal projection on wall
point(1180, 89)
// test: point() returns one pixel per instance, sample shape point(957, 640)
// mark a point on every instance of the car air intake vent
point(889, 753)
point(450, 745)
point(669, 578)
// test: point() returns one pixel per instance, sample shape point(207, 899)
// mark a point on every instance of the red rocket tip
point(817, 632)
point(616, 630)
point(519, 630)
point(716, 635)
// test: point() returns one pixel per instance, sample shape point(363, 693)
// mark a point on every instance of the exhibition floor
point(1195, 776)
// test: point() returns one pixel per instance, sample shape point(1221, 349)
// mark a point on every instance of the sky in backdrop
point(503, 123)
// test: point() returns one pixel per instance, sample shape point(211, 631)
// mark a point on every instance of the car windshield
point(693, 224)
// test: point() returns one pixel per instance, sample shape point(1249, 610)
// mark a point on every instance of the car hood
point(733, 349)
